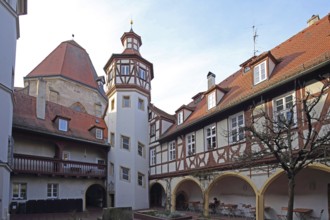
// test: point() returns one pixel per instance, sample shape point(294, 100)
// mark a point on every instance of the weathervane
point(255, 35)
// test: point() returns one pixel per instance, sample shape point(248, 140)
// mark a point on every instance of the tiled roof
point(161, 113)
point(302, 51)
point(69, 60)
point(79, 123)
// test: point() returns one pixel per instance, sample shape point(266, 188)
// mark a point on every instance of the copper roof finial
point(131, 24)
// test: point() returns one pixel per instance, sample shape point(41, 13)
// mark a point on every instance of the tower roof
point(68, 60)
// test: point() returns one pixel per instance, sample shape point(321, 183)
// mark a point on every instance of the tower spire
point(131, 22)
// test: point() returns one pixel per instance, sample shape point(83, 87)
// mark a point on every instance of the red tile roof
point(69, 60)
point(304, 50)
point(79, 123)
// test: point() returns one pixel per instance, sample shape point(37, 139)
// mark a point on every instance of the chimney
point(210, 80)
point(41, 98)
point(313, 20)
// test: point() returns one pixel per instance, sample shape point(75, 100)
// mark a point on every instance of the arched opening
point(95, 196)
point(181, 200)
point(157, 196)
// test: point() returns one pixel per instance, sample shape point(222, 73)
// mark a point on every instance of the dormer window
point(180, 117)
point(211, 100)
point(99, 133)
point(259, 73)
point(62, 124)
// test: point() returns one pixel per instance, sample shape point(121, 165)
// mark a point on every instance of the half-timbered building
point(195, 155)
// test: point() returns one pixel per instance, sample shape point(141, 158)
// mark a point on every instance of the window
point(191, 149)
point(211, 100)
point(142, 73)
point(259, 73)
point(66, 155)
point(99, 133)
point(112, 104)
point(236, 126)
point(152, 129)
point(141, 180)
point(111, 169)
point(141, 104)
point(125, 142)
point(19, 190)
point(112, 139)
point(100, 162)
point(52, 190)
point(141, 149)
point(171, 150)
point(124, 70)
point(62, 124)
point(125, 173)
point(126, 102)
point(284, 111)
point(152, 156)
point(210, 137)
point(180, 117)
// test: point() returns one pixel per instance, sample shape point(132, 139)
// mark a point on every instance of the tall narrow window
point(112, 104)
point(142, 73)
point(112, 139)
point(284, 111)
point(126, 102)
point(125, 173)
point(153, 129)
point(236, 126)
point(152, 156)
point(141, 179)
point(180, 117)
point(124, 70)
point(125, 142)
point(171, 150)
point(52, 190)
point(141, 104)
point(99, 133)
point(191, 149)
point(210, 137)
point(259, 73)
point(140, 149)
point(111, 169)
point(19, 190)
point(211, 100)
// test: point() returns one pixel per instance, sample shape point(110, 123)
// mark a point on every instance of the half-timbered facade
point(198, 156)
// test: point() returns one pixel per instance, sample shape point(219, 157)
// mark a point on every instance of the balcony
point(37, 165)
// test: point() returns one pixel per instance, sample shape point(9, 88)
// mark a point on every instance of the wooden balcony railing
point(49, 166)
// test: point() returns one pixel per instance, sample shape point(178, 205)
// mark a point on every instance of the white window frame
point(142, 73)
point(171, 151)
point(260, 72)
point(236, 127)
point(52, 190)
point(152, 129)
point(191, 144)
point(180, 117)
point(63, 124)
point(211, 100)
point(126, 101)
point(124, 70)
point(124, 144)
point(99, 133)
point(285, 110)
point(211, 137)
point(141, 179)
point(125, 176)
point(21, 195)
point(141, 152)
point(152, 156)
point(141, 104)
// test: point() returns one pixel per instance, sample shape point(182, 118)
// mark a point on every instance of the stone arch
point(95, 196)
point(176, 189)
point(157, 195)
point(77, 106)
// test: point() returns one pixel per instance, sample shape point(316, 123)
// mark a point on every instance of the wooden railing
point(50, 166)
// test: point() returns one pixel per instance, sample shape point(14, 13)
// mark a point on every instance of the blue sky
point(184, 39)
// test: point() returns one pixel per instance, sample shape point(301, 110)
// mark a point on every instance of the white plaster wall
point(8, 37)
point(165, 126)
point(199, 141)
